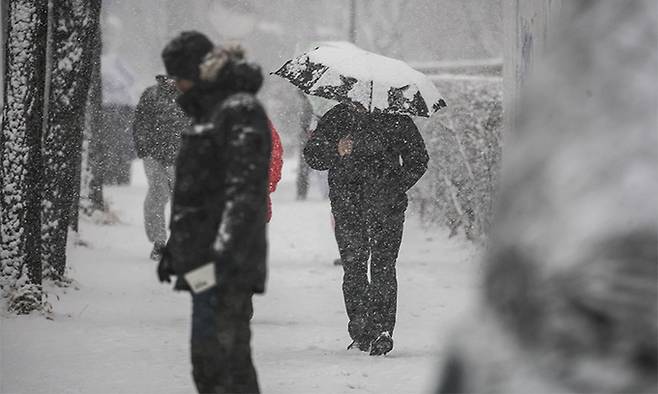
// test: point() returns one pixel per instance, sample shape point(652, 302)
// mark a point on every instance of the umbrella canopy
point(347, 73)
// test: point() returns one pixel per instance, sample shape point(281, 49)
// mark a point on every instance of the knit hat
point(183, 55)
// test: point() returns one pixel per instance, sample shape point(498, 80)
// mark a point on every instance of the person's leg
point(207, 355)
point(236, 310)
point(353, 247)
point(171, 172)
point(155, 201)
point(386, 237)
point(221, 351)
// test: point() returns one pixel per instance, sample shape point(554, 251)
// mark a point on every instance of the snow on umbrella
point(347, 73)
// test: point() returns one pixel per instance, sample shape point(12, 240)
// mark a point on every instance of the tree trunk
point(91, 187)
point(22, 169)
point(75, 24)
point(3, 39)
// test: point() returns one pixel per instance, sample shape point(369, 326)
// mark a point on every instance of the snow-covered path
point(121, 331)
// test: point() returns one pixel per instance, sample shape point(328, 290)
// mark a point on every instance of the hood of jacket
point(234, 76)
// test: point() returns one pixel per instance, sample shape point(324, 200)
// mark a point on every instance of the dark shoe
point(156, 253)
point(338, 262)
point(360, 335)
point(382, 345)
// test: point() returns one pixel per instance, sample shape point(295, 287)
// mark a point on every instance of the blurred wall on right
point(528, 28)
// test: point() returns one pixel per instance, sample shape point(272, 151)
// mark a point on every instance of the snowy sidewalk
point(122, 332)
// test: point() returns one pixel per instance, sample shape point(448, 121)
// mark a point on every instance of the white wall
point(528, 26)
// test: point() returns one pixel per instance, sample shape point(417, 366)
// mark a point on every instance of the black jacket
point(374, 166)
point(220, 196)
point(159, 122)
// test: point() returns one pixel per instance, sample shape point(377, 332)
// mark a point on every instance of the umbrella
point(347, 73)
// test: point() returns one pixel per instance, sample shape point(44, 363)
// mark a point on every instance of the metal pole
point(48, 64)
point(353, 21)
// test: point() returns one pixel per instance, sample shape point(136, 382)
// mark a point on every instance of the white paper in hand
point(202, 278)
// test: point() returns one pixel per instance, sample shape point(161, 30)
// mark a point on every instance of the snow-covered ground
point(120, 331)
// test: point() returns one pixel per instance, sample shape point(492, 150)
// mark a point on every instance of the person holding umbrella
point(374, 153)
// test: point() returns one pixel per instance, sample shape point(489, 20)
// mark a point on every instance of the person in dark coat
point(218, 223)
point(159, 122)
point(373, 159)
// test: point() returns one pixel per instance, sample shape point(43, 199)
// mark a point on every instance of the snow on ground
point(120, 331)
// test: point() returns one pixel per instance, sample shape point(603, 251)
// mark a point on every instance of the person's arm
point(413, 152)
point(142, 124)
point(245, 188)
point(321, 150)
point(276, 159)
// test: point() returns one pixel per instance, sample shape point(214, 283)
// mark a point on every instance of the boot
point(360, 334)
point(382, 345)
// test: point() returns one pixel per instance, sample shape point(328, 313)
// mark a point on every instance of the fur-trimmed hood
point(223, 72)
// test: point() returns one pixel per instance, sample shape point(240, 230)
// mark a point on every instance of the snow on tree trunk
point(22, 170)
point(75, 24)
point(3, 39)
point(91, 183)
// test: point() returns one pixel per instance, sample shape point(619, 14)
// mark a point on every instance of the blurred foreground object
point(571, 284)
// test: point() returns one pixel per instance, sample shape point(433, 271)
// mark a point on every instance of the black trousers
point(221, 335)
point(369, 235)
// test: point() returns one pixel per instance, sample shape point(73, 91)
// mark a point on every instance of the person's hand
point(164, 267)
point(345, 146)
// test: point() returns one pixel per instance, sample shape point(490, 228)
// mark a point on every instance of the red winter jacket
point(276, 164)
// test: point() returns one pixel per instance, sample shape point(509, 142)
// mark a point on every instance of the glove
point(164, 267)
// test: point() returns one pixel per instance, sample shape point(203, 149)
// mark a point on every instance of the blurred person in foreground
point(157, 127)
point(373, 159)
point(570, 300)
point(217, 247)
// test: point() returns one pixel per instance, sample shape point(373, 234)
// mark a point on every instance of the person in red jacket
point(276, 164)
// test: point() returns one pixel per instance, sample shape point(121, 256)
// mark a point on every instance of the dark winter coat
point(220, 196)
point(159, 122)
point(388, 155)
